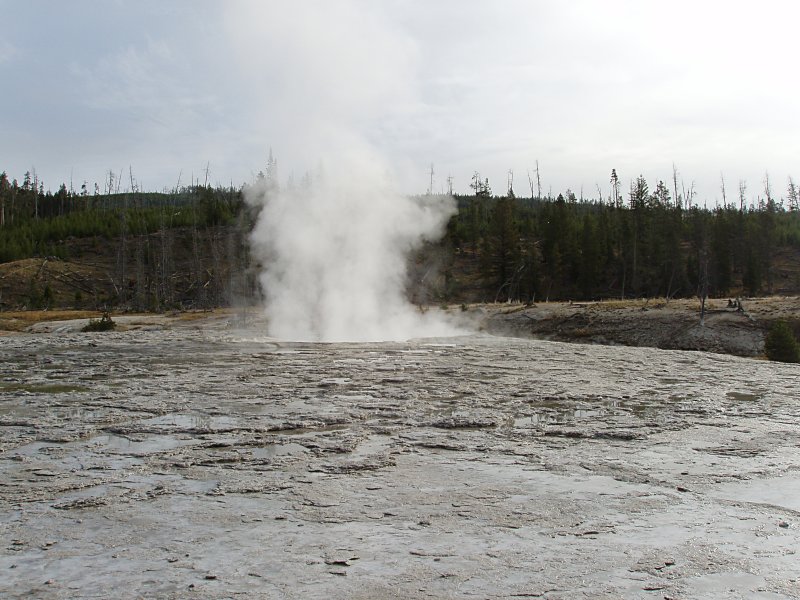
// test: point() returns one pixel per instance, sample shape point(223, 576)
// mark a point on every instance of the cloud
point(582, 86)
point(149, 83)
point(317, 71)
point(334, 251)
point(7, 51)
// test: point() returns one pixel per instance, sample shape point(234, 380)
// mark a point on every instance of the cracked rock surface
point(200, 461)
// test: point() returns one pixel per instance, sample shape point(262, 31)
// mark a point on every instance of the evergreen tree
point(781, 344)
point(591, 257)
point(502, 248)
point(721, 255)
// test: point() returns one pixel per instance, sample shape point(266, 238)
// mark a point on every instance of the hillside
point(175, 268)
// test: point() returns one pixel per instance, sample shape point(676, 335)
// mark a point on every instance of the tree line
point(37, 223)
point(148, 250)
point(189, 246)
point(645, 245)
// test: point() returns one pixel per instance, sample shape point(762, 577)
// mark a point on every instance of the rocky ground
point(194, 459)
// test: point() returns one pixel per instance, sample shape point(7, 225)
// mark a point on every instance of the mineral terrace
point(195, 459)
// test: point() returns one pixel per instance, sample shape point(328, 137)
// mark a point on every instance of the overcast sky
point(166, 87)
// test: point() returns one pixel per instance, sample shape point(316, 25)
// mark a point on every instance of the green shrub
point(781, 345)
point(104, 324)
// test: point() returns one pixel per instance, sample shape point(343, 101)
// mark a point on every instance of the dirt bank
point(673, 325)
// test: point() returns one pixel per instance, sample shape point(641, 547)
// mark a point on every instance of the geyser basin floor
point(188, 462)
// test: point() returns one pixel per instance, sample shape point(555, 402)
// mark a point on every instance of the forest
point(188, 247)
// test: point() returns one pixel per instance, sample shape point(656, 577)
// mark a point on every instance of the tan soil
point(671, 325)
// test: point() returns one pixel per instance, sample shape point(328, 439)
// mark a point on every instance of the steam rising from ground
point(333, 77)
point(335, 257)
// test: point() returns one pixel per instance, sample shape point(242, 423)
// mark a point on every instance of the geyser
point(334, 253)
point(335, 80)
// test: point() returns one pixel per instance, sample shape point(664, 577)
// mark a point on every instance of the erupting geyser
point(335, 254)
point(335, 81)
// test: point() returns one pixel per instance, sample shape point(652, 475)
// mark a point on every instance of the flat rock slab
point(205, 462)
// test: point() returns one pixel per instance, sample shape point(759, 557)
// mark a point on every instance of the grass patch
point(20, 319)
point(196, 315)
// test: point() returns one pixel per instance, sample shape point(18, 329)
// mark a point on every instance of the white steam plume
point(335, 252)
point(335, 259)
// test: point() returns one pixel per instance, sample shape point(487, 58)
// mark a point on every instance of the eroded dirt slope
point(673, 325)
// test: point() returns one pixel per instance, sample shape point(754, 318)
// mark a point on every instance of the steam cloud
point(335, 256)
point(333, 78)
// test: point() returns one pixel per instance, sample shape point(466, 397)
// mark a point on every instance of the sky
point(167, 90)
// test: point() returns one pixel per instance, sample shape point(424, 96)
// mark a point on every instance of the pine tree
point(502, 248)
